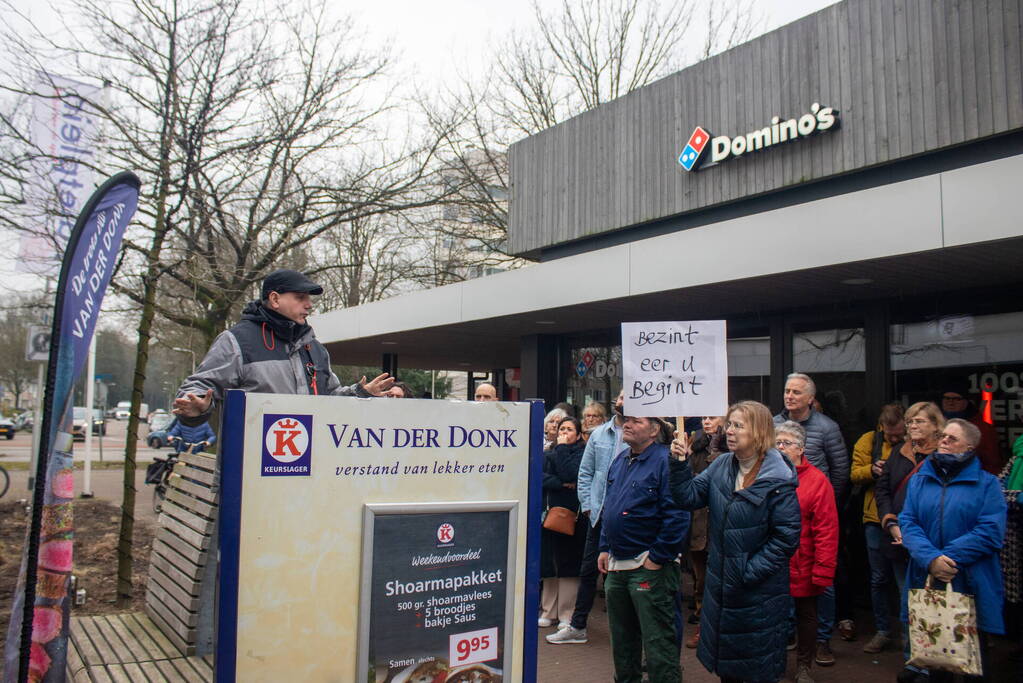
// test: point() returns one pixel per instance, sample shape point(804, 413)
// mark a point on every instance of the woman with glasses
point(812, 567)
point(752, 531)
point(594, 415)
point(924, 423)
point(953, 524)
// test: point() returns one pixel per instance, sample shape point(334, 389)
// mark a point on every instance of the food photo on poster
point(438, 599)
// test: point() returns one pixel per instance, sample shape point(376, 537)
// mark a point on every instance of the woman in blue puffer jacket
point(753, 530)
point(953, 524)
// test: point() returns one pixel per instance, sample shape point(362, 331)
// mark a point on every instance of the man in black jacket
point(272, 349)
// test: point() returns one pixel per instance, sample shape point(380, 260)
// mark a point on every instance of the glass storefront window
point(836, 360)
point(596, 375)
point(749, 369)
point(596, 372)
point(982, 355)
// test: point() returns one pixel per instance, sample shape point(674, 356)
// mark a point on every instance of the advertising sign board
point(443, 499)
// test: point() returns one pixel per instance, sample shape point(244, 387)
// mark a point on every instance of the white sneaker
point(544, 622)
point(568, 636)
point(562, 625)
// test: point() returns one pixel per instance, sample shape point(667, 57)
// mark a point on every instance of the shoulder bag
point(560, 520)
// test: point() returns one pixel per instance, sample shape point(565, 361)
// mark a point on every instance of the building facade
point(843, 191)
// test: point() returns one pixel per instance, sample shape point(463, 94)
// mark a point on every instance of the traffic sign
point(38, 345)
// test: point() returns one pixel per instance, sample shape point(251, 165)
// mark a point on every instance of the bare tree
point(253, 128)
point(17, 373)
point(585, 53)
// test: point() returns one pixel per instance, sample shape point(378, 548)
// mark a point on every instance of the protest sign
point(435, 595)
point(675, 368)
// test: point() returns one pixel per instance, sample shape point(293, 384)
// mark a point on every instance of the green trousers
point(641, 614)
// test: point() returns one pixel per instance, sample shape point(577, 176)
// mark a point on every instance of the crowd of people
point(765, 512)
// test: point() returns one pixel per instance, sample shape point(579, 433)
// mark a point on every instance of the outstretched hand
point(191, 405)
point(378, 385)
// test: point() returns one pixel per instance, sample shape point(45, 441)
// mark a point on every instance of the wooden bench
point(172, 640)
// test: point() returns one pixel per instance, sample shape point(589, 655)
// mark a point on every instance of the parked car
point(23, 421)
point(6, 428)
point(158, 430)
point(154, 414)
point(123, 411)
point(80, 420)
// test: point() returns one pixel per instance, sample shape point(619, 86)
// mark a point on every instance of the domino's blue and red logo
point(693, 151)
point(287, 445)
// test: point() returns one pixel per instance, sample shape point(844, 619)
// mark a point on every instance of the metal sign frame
point(229, 527)
point(370, 513)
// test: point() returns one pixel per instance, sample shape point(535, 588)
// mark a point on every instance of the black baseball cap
point(283, 281)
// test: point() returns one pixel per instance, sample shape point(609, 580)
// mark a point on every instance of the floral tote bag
point(943, 630)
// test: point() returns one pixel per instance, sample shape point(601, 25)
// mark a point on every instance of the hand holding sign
point(675, 368)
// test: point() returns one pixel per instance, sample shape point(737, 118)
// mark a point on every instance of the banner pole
point(90, 400)
point(37, 424)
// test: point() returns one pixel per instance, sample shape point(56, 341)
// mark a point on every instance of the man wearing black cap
point(272, 349)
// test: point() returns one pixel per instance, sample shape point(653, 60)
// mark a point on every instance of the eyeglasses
point(784, 443)
point(950, 437)
point(917, 421)
point(736, 426)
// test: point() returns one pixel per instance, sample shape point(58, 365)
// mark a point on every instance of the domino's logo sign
point(693, 151)
point(818, 120)
point(287, 445)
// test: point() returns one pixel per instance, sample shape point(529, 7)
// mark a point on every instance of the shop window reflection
point(749, 369)
point(982, 355)
point(596, 372)
point(596, 375)
point(836, 360)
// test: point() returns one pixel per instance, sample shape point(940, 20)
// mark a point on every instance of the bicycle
point(160, 470)
point(5, 481)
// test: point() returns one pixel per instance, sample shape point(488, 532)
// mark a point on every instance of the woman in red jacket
point(812, 567)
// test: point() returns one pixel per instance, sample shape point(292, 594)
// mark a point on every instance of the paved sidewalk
point(592, 662)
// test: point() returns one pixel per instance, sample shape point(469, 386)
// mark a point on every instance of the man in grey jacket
point(604, 444)
point(272, 349)
point(825, 449)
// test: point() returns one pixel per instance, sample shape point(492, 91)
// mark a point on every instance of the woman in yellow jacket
point(869, 454)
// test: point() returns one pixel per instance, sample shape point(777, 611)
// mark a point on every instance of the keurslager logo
point(445, 535)
point(287, 445)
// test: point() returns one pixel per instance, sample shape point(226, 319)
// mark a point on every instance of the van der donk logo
point(287, 445)
point(723, 147)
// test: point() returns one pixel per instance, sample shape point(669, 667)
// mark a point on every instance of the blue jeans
point(826, 614)
point(880, 575)
point(899, 569)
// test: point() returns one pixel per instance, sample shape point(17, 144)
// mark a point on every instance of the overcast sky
point(435, 42)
